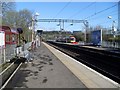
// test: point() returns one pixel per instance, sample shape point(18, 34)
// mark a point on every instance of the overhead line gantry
point(85, 22)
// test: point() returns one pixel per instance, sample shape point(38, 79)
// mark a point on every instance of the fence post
point(0, 65)
point(4, 55)
point(0, 56)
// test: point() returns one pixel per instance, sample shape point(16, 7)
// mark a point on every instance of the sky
point(95, 12)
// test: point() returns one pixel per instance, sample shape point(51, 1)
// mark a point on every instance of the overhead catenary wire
point(82, 9)
point(105, 22)
point(100, 11)
point(66, 5)
point(89, 17)
point(95, 18)
point(62, 9)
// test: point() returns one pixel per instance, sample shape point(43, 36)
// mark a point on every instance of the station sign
point(96, 37)
point(39, 32)
point(2, 39)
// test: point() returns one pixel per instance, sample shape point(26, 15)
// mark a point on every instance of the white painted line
point(10, 77)
point(90, 69)
point(6, 68)
point(113, 82)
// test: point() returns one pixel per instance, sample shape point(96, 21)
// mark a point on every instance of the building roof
point(7, 29)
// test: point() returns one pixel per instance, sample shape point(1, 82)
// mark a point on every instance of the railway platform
point(115, 50)
point(51, 68)
point(110, 49)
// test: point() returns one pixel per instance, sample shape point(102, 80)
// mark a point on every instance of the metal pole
point(4, 54)
point(60, 29)
point(86, 28)
point(32, 29)
point(40, 40)
point(0, 64)
point(85, 35)
point(63, 25)
point(101, 38)
point(0, 56)
point(113, 30)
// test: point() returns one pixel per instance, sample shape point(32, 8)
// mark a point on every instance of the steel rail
point(91, 60)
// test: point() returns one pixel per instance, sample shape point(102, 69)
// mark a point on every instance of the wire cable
point(83, 9)
point(101, 11)
point(62, 9)
point(95, 18)
point(105, 22)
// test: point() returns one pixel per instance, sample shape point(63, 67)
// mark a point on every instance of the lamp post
point(60, 32)
point(113, 30)
point(34, 19)
point(86, 29)
point(32, 29)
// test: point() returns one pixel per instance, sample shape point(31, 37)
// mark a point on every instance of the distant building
point(75, 32)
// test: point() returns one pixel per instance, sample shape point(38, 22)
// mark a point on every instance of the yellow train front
point(71, 39)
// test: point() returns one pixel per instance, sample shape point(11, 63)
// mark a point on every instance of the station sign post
point(39, 36)
point(96, 37)
point(2, 39)
point(2, 47)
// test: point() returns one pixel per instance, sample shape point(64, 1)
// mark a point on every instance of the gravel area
point(45, 71)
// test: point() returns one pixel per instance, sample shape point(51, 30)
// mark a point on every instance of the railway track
point(103, 62)
point(7, 74)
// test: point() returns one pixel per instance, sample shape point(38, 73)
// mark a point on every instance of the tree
point(98, 27)
point(10, 18)
point(79, 36)
point(25, 17)
point(21, 19)
point(17, 19)
point(6, 6)
point(91, 28)
point(24, 20)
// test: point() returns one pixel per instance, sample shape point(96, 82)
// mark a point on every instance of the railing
point(2, 55)
point(107, 44)
point(7, 72)
point(11, 51)
point(111, 44)
point(6, 54)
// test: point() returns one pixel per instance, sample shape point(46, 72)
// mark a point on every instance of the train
point(70, 39)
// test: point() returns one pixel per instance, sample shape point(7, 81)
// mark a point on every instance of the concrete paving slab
point(45, 71)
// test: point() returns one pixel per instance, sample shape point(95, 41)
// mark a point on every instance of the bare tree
point(13, 18)
point(6, 6)
point(25, 17)
point(24, 21)
point(10, 18)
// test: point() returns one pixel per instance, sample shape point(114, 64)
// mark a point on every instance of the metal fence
point(111, 44)
point(107, 44)
point(2, 55)
point(11, 51)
